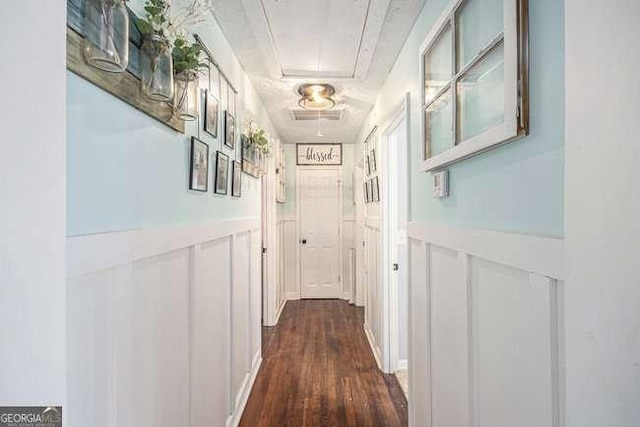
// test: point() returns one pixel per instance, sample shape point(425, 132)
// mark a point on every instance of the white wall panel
point(511, 347)
point(240, 319)
point(152, 351)
point(164, 336)
point(211, 333)
point(485, 336)
point(90, 346)
point(449, 338)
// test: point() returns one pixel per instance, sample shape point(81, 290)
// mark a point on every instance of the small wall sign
point(319, 154)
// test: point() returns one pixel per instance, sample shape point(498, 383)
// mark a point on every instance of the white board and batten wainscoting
point(163, 325)
point(486, 311)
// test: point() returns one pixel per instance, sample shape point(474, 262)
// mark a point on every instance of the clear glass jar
point(106, 41)
point(156, 68)
point(185, 98)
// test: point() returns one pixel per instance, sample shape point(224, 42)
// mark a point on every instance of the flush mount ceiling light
point(316, 96)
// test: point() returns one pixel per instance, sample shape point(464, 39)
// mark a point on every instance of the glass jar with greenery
point(106, 42)
point(156, 63)
point(186, 66)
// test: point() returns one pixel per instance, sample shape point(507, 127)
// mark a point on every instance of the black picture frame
point(373, 162)
point(375, 189)
point(229, 130)
point(199, 165)
point(236, 179)
point(366, 192)
point(211, 113)
point(367, 165)
point(222, 174)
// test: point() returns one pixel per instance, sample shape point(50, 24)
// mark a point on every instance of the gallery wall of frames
point(371, 190)
point(172, 79)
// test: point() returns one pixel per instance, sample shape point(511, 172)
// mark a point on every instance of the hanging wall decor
point(125, 85)
point(375, 190)
point(222, 173)
point(319, 154)
point(236, 180)
point(199, 165)
point(187, 67)
point(229, 130)
point(210, 114)
point(372, 160)
point(248, 157)
point(106, 42)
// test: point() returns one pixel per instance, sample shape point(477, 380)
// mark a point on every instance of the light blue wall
point(126, 170)
point(514, 188)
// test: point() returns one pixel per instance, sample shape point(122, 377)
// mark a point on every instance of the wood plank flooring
point(318, 370)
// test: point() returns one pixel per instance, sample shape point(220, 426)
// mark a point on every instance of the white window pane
point(477, 23)
point(480, 92)
point(438, 125)
point(437, 64)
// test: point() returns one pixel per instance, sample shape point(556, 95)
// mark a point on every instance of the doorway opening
point(394, 218)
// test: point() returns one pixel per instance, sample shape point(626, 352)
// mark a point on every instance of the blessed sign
point(319, 154)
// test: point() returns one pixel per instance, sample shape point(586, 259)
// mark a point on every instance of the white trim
point(542, 255)
point(280, 310)
point(243, 397)
point(374, 349)
point(94, 252)
point(373, 222)
point(391, 165)
point(291, 296)
point(403, 365)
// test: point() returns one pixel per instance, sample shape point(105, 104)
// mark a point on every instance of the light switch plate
point(441, 184)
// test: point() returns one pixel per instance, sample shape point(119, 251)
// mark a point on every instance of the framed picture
point(370, 190)
point(229, 130)
point(367, 165)
point(199, 165)
point(375, 190)
point(236, 180)
point(210, 113)
point(366, 192)
point(222, 173)
point(372, 160)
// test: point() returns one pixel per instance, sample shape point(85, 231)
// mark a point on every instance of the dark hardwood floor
point(318, 370)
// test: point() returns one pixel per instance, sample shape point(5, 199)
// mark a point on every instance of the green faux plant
point(156, 21)
point(258, 139)
point(186, 56)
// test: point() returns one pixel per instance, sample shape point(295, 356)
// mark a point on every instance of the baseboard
point(403, 365)
point(280, 310)
point(374, 348)
point(347, 296)
point(234, 419)
point(291, 296)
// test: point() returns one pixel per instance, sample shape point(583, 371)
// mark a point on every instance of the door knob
point(304, 241)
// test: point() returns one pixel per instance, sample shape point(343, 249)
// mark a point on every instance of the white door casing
point(320, 222)
point(394, 199)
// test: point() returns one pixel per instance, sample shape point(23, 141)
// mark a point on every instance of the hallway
point(318, 370)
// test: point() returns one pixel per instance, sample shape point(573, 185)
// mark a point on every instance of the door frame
point(299, 169)
point(267, 183)
point(391, 235)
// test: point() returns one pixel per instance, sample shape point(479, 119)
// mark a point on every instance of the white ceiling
point(351, 44)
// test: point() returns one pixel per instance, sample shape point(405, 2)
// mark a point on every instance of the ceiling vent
point(308, 115)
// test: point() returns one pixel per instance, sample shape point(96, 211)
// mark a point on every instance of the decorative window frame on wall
point(515, 40)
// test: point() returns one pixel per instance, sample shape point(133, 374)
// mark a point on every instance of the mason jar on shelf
point(156, 68)
point(106, 41)
point(185, 99)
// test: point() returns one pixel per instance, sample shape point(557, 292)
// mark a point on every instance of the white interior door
point(319, 207)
